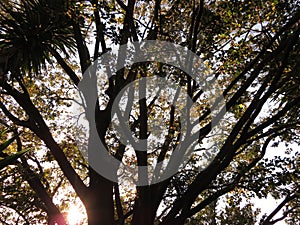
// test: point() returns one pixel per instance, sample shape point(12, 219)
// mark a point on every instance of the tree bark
point(99, 204)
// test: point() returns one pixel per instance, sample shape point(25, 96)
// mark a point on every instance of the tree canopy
point(249, 48)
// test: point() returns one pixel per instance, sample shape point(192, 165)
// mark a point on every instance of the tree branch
point(99, 31)
point(65, 66)
point(289, 24)
point(14, 119)
point(40, 128)
point(83, 51)
point(122, 4)
point(53, 212)
point(119, 205)
point(268, 221)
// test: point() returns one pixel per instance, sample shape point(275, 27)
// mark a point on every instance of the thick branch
point(122, 4)
point(99, 31)
point(39, 127)
point(14, 119)
point(119, 205)
point(65, 66)
point(83, 51)
point(53, 212)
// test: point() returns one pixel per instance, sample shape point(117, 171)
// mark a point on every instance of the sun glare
point(75, 216)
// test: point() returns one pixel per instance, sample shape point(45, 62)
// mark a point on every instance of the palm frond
point(29, 29)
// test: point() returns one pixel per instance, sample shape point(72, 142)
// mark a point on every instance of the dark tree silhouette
point(251, 49)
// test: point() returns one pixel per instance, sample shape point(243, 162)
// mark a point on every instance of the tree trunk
point(145, 206)
point(99, 204)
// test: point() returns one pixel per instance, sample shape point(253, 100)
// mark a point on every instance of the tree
point(251, 50)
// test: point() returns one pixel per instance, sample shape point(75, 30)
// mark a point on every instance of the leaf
point(5, 131)
point(7, 143)
point(11, 159)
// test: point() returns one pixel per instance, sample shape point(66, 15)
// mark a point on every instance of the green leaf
point(7, 143)
point(229, 12)
point(11, 159)
point(4, 131)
